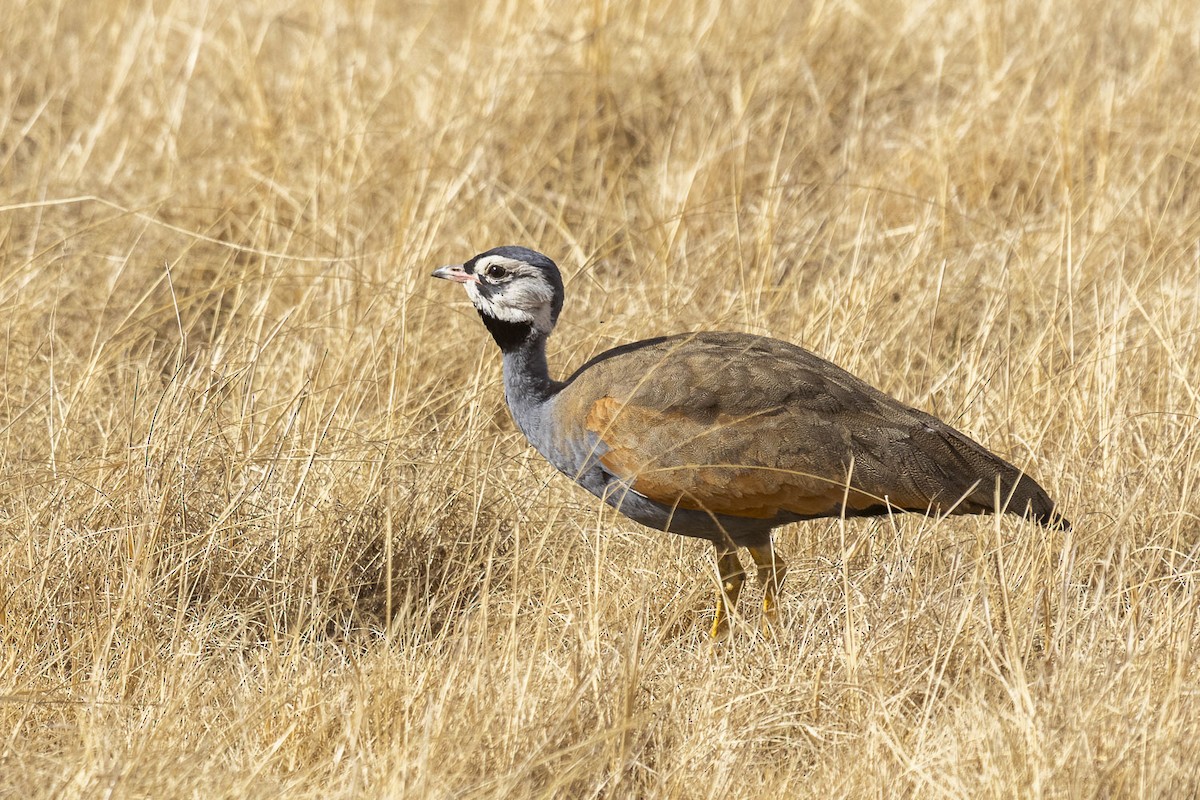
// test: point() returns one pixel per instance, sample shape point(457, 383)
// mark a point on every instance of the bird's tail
point(1031, 500)
point(1053, 520)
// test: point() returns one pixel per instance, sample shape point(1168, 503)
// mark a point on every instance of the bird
point(727, 436)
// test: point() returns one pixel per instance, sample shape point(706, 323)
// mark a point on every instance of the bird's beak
point(456, 273)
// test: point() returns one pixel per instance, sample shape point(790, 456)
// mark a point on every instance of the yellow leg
point(732, 577)
point(771, 572)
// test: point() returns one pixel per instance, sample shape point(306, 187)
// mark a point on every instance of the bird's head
point(513, 285)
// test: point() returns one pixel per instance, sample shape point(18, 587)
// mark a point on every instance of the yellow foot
point(732, 577)
point(771, 571)
point(770, 617)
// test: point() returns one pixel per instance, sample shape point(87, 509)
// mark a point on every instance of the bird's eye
point(496, 271)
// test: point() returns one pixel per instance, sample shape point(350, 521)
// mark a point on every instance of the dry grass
point(266, 530)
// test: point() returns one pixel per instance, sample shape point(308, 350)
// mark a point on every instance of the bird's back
point(751, 427)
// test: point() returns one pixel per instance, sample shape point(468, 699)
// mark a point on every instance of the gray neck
point(527, 381)
point(528, 386)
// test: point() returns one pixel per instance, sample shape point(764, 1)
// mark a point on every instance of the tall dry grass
point(266, 530)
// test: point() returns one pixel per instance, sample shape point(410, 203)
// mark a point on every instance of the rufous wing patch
point(667, 457)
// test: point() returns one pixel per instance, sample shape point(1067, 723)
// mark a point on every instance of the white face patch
point(521, 294)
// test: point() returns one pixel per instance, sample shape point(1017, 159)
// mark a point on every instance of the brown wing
point(726, 465)
point(753, 427)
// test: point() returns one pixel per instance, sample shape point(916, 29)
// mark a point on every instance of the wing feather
point(751, 427)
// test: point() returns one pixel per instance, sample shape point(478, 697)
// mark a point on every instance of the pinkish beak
point(456, 273)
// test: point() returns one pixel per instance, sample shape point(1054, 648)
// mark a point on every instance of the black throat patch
point(509, 335)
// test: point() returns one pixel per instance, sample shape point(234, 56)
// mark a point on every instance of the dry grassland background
point(266, 529)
